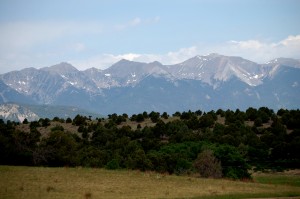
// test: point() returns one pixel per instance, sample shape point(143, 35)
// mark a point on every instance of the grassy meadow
point(44, 182)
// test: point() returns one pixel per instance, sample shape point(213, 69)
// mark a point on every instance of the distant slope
point(50, 111)
point(8, 94)
point(18, 112)
point(15, 112)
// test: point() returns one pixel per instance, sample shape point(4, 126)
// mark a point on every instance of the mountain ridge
point(202, 78)
point(193, 68)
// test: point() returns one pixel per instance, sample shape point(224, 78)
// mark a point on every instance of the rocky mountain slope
point(18, 112)
point(202, 82)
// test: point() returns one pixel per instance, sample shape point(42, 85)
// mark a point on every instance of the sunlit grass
point(40, 182)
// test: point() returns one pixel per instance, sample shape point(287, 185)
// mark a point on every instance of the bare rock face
point(202, 82)
point(16, 112)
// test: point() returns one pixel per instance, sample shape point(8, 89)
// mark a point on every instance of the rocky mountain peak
point(63, 68)
point(200, 80)
point(285, 62)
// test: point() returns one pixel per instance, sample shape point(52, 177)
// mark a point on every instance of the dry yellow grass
point(39, 182)
point(68, 127)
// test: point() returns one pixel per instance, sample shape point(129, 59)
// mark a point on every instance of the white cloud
point(79, 47)
point(152, 20)
point(156, 19)
point(130, 56)
point(105, 60)
point(181, 55)
point(250, 44)
point(41, 43)
point(134, 22)
point(254, 50)
point(261, 51)
point(37, 44)
point(13, 54)
point(102, 61)
point(291, 41)
point(23, 35)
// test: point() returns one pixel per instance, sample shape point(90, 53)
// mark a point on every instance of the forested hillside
point(213, 144)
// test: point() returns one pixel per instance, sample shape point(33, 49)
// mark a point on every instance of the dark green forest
point(214, 144)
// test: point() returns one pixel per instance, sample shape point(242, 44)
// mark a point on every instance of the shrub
point(140, 118)
point(57, 128)
point(68, 120)
point(258, 122)
point(165, 115)
point(45, 122)
point(113, 164)
point(154, 116)
point(208, 165)
point(25, 121)
point(233, 163)
point(79, 120)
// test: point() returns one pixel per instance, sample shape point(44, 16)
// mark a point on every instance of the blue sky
point(85, 33)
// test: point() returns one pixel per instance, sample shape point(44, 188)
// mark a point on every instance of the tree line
point(213, 144)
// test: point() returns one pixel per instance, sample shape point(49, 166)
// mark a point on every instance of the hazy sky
point(38, 33)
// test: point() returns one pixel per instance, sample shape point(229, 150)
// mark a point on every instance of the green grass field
point(291, 178)
point(40, 182)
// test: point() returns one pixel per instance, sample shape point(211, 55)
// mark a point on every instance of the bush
point(177, 114)
point(79, 120)
point(154, 116)
point(113, 164)
point(208, 165)
point(258, 122)
point(25, 121)
point(46, 122)
point(140, 118)
point(34, 124)
point(233, 163)
point(68, 120)
point(57, 128)
point(165, 115)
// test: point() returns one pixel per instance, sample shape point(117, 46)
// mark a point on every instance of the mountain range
point(202, 82)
